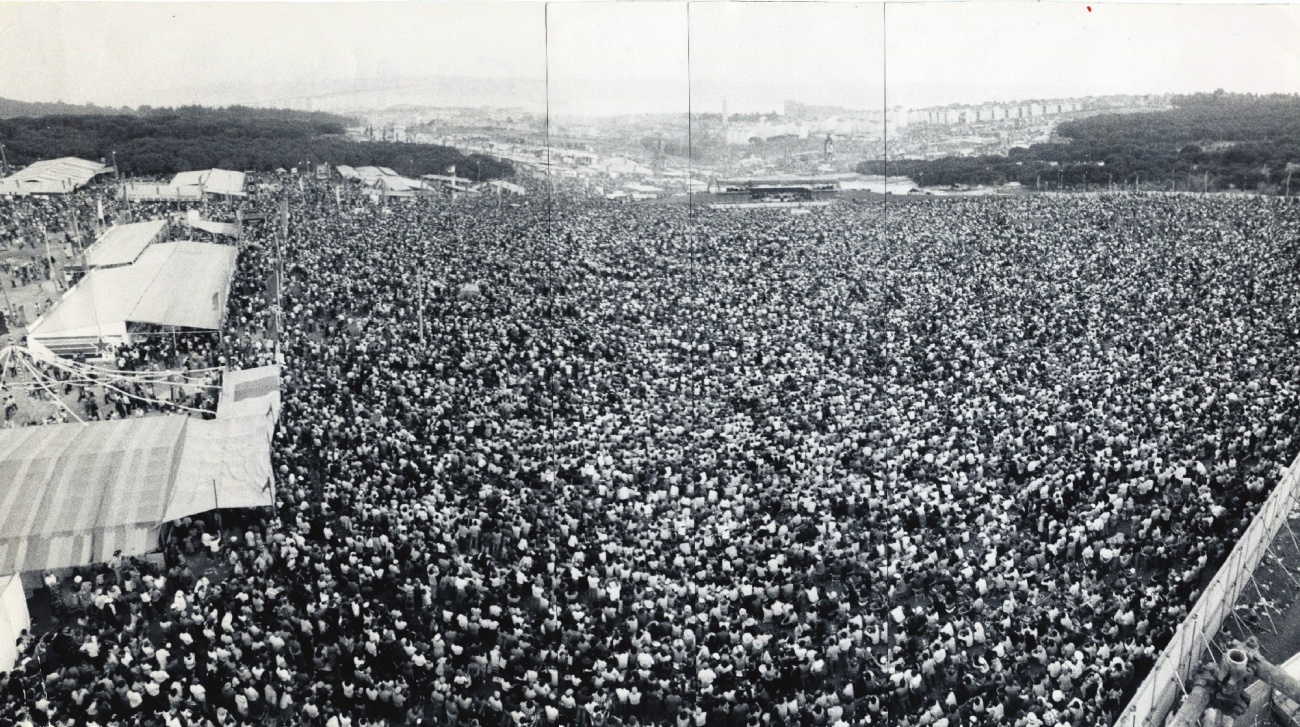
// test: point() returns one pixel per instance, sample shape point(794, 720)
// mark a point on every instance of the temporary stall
point(181, 284)
point(55, 176)
point(73, 494)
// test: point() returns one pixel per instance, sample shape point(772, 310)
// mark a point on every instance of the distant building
point(777, 189)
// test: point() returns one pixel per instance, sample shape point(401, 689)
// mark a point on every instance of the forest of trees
point(10, 109)
point(1228, 141)
point(165, 141)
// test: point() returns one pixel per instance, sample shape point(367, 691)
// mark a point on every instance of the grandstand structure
point(777, 191)
point(55, 176)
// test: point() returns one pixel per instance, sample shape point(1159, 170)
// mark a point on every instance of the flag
point(272, 288)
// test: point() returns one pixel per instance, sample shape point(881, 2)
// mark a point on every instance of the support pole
point(1189, 714)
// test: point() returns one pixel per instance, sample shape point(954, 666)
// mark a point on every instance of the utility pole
point(4, 159)
point(1205, 189)
point(420, 302)
point(280, 241)
point(76, 233)
point(48, 255)
point(8, 303)
point(1288, 179)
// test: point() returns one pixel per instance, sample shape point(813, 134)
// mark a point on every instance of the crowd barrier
point(1171, 676)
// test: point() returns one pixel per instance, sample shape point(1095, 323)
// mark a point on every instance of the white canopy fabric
point(212, 181)
point(250, 392)
point(122, 244)
point(14, 619)
point(54, 176)
point(141, 192)
point(181, 284)
point(226, 463)
point(229, 229)
point(74, 493)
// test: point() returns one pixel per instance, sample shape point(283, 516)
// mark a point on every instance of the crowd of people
point(938, 462)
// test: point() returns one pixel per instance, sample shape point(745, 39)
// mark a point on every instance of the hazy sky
point(132, 53)
point(616, 58)
point(609, 58)
point(758, 55)
point(972, 52)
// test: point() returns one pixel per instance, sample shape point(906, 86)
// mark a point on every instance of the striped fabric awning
point(74, 493)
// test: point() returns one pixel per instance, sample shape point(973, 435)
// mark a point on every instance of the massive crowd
point(945, 462)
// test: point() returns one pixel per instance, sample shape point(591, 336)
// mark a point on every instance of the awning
point(74, 493)
point(182, 284)
point(122, 244)
point(212, 181)
point(54, 176)
point(229, 229)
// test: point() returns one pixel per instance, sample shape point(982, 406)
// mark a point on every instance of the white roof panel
point(170, 284)
point(213, 181)
point(190, 287)
point(122, 244)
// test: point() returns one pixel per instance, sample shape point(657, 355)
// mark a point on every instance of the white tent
point(182, 284)
point(55, 176)
point(74, 493)
point(14, 619)
point(122, 244)
point(212, 181)
point(189, 187)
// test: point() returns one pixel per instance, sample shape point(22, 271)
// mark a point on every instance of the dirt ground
point(23, 303)
point(1269, 609)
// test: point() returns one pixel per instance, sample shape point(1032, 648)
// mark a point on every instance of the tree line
point(10, 108)
point(153, 142)
point(1217, 141)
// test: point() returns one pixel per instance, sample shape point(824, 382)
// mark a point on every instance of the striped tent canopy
point(74, 493)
